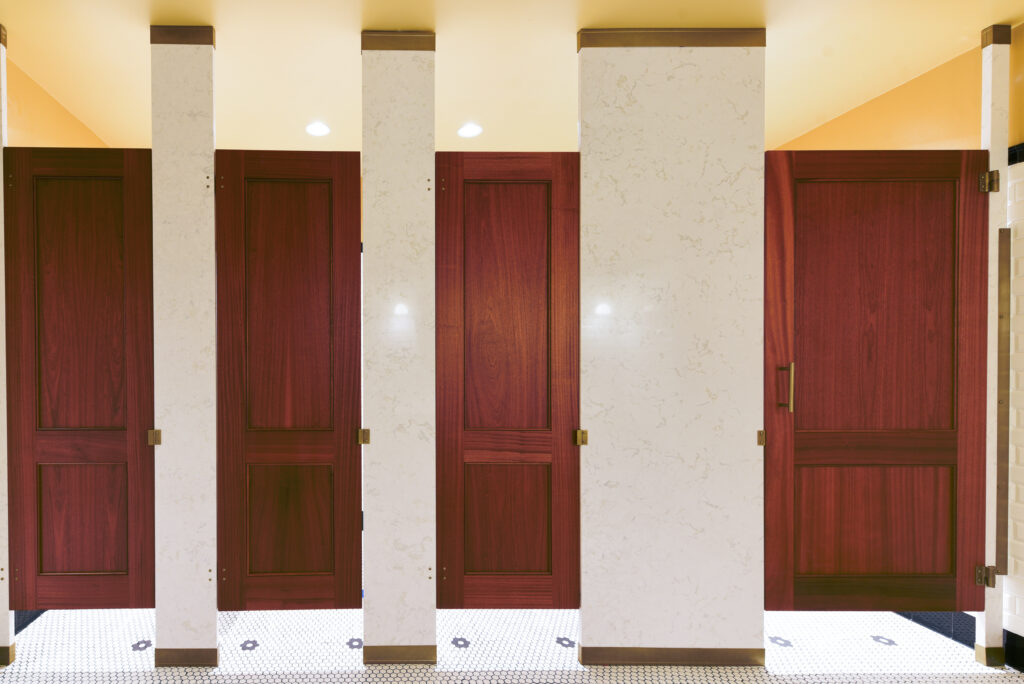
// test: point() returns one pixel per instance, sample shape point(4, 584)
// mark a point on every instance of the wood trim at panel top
point(997, 34)
point(602, 655)
point(182, 35)
point(398, 40)
point(670, 37)
point(3, 35)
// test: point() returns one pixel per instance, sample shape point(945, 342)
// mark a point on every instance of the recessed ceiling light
point(470, 130)
point(318, 128)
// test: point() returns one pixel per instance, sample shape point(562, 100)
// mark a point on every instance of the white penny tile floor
point(484, 646)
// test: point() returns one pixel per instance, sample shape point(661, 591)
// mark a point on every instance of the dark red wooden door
point(875, 329)
point(78, 231)
point(288, 259)
point(508, 380)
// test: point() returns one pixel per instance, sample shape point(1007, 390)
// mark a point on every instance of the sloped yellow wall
point(940, 109)
point(36, 119)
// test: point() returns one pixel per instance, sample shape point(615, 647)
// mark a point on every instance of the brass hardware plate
point(762, 439)
point(791, 369)
point(985, 575)
point(363, 436)
point(989, 181)
point(579, 437)
point(153, 437)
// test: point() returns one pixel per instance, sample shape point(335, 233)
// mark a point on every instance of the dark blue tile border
point(1013, 647)
point(24, 618)
point(956, 626)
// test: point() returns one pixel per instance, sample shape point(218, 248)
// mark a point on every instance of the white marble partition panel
point(672, 254)
point(398, 348)
point(185, 336)
point(995, 133)
point(6, 625)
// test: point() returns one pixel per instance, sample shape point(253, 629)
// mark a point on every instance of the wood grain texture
point(865, 592)
point(778, 351)
point(294, 217)
point(518, 275)
point(83, 518)
point(870, 520)
point(82, 495)
point(874, 308)
point(875, 286)
point(289, 506)
point(508, 517)
point(506, 305)
point(80, 300)
point(289, 374)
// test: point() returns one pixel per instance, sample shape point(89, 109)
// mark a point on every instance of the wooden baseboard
point(400, 655)
point(992, 656)
point(185, 657)
point(610, 655)
point(6, 655)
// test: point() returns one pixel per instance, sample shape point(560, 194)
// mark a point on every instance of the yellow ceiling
point(509, 65)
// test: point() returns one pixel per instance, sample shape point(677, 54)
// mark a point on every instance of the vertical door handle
point(791, 368)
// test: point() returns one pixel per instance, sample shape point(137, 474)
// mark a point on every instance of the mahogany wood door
point(508, 380)
point(875, 333)
point(288, 468)
point(79, 278)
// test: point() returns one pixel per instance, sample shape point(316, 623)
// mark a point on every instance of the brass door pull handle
point(791, 369)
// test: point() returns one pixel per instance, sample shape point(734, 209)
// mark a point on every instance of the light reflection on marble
point(398, 347)
point(672, 177)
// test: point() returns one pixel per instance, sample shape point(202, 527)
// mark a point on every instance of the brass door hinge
point(579, 437)
point(153, 437)
point(985, 575)
point(989, 181)
point(364, 436)
point(762, 439)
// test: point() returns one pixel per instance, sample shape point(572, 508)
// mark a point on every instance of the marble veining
point(184, 336)
point(398, 347)
point(672, 177)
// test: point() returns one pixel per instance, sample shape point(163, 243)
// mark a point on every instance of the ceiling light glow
point(470, 130)
point(318, 128)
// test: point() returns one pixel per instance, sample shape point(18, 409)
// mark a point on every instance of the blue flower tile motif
point(779, 641)
point(459, 642)
point(355, 643)
point(142, 645)
point(249, 645)
point(565, 642)
point(885, 641)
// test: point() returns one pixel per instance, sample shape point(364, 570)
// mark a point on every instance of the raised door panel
point(506, 305)
point(288, 304)
point(508, 518)
point(78, 254)
point(80, 295)
point(83, 518)
point(875, 304)
point(290, 505)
